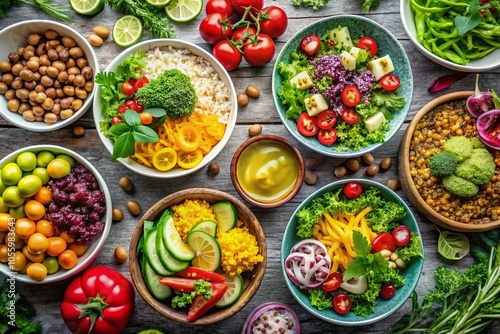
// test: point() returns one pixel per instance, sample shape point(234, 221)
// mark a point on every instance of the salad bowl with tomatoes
point(342, 86)
point(363, 250)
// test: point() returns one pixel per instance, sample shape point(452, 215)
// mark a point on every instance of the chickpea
point(38, 111)
point(66, 113)
point(14, 57)
point(102, 31)
point(32, 95)
point(20, 52)
point(81, 93)
point(23, 107)
point(39, 118)
point(89, 86)
point(22, 93)
point(70, 79)
point(39, 88)
point(52, 45)
point(53, 55)
point(17, 83)
point(62, 76)
point(56, 109)
point(73, 70)
point(242, 99)
point(33, 103)
point(26, 74)
point(28, 52)
point(40, 49)
point(16, 68)
point(253, 92)
point(50, 118)
point(121, 254)
point(71, 62)
point(59, 48)
point(63, 54)
point(87, 72)
point(95, 40)
point(44, 60)
point(82, 62)
point(7, 78)
point(76, 104)
point(46, 81)
point(33, 65)
point(79, 81)
point(37, 76)
point(13, 105)
point(30, 85)
point(59, 65)
point(33, 39)
point(52, 71)
point(79, 131)
point(51, 34)
point(51, 92)
point(5, 66)
point(65, 103)
point(48, 103)
point(10, 94)
point(392, 184)
point(57, 84)
point(60, 93)
point(40, 97)
point(34, 58)
point(76, 52)
point(255, 130)
point(29, 116)
point(69, 90)
point(3, 88)
point(68, 42)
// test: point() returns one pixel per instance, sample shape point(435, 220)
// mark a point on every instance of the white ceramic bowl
point(95, 248)
point(487, 63)
point(223, 75)
point(16, 35)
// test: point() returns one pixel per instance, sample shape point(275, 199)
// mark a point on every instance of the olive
point(386, 163)
point(134, 208)
point(352, 165)
point(310, 178)
point(117, 214)
point(125, 183)
point(368, 158)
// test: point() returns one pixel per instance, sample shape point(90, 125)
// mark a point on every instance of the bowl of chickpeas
point(47, 73)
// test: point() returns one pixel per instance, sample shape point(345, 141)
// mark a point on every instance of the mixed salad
point(340, 89)
point(354, 250)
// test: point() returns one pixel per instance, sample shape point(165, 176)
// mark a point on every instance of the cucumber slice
point(164, 255)
point(234, 291)
point(152, 280)
point(225, 214)
point(208, 253)
point(151, 254)
point(172, 240)
point(208, 226)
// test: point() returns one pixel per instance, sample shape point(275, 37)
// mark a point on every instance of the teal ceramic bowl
point(387, 44)
point(383, 308)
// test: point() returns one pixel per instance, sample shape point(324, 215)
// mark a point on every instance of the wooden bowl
point(275, 202)
point(251, 279)
point(407, 182)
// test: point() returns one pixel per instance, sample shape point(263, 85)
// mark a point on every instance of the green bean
point(479, 54)
point(416, 6)
point(453, 34)
point(420, 25)
point(452, 56)
point(453, 3)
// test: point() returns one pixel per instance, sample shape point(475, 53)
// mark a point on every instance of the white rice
point(213, 94)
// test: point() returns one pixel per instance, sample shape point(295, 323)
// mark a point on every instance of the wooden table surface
point(47, 298)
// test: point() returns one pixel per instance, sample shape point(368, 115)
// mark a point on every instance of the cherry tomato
point(349, 115)
point(134, 105)
point(127, 88)
point(215, 28)
point(116, 120)
point(274, 21)
point(146, 118)
point(327, 136)
point(122, 108)
point(140, 83)
point(132, 81)
point(383, 241)
point(260, 53)
point(350, 96)
point(227, 55)
point(240, 33)
point(219, 6)
point(369, 44)
point(332, 282)
point(387, 291)
point(352, 190)
point(342, 303)
point(402, 235)
point(307, 125)
point(240, 5)
point(327, 119)
point(390, 82)
point(310, 44)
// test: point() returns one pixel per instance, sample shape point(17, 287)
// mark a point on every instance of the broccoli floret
point(476, 143)
point(460, 147)
point(460, 186)
point(443, 163)
point(478, 168)
point(172, 90)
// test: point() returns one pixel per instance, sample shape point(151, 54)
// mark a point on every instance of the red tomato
point(327, 136)
point(349, 115)
point(390, 82)
point(387, 291)
point(223, 7)
point(227, 55)
point(200, 305)
point(350, 96)
point(241, 34)
point(327, 119)
point(215, 28)
point(134, 105)
point(116, 120)
point(369, 44)
point(140, 83)
point(128, 88)
point(383, 241)
point(307, 125)
point(352, 190)
point(198, 273)
point(402, 235)
point(240, 5)
point(260, 53)
point(179, 284)
point(274, 21)
point(332, 282)
point(146, 118)
point(122, 108)
point(342, 303)
point(310, 44)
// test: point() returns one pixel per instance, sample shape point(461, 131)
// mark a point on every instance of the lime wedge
point(208, 253)
point(127, 31)
point(158, 3)
point(183, 10)
point(87, 7)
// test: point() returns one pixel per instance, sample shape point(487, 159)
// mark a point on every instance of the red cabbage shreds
point(77, 205)
point(331, 66)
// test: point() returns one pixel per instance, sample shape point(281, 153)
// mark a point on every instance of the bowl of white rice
point(215, 94)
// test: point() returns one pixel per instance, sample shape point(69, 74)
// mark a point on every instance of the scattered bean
point(368, 158)
point(95, 40)
point(121, 254)
point(117, 214)
point(134, 208)
point(213, 168)
point(242, 99)
point(252, 91)
point(310, 178)
point(372, 170)
point(125, 183)
point(392, 184)
point(386, 163)
point(340, 171)
point(312, 164)
point(352, 165)
point(255, 130)
point(102, 31)
point(79, 131)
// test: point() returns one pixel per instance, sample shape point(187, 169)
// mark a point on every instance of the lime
point(208, 253)
point(3, 208)
point(26, 161)
point(42, 174)
point(158, 3)
point(150, 331)
point(67, 158)
point(43, 158)
point(58, 168)
point(29, 185)
point(183, 10)
point(11, 197)
point(87, 7)
point(11, 174)
point(127, 31)
point(18, 211)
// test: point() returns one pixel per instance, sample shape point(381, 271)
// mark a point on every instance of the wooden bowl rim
point(180, 316)
point(298, 182)
point(404, 171)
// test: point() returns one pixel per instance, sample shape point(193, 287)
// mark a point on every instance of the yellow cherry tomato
point(67, 259)
point(25, 227)
point(38, 243)
point(32, 257)
point(37, 271)
point(57, 245)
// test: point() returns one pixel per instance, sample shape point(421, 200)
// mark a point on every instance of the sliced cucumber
point(172, 240)
point(164, 255)
point(151, 254)
point(208, 226)
point(234, 291)
point(152, 280)
point(225, 214)
point(208, 253)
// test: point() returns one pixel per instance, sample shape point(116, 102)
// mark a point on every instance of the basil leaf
point(156, 112)
point(467, 23)
point(132, 118)
point(145, 134)
point(124, 146)
point(119, 128)
point(361, 246)
point(453, 245)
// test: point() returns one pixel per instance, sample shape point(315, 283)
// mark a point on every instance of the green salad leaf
point(453, 245)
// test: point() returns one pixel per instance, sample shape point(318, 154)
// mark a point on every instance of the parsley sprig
point(365, 264)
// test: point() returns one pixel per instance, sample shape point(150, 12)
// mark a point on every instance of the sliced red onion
point(480, 102)
point(488, 128)
point(308, 264)
point(278, 315)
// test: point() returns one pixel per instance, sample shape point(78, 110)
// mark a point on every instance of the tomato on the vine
point(228, 55)
point(240, 5)
point(350, 95)
point(342, 303)
point(310, 44)
point(349, 115)
point(128, 88)
point(261, 52)
point(369, 44)
point(140, 83)
point(383, 241)
point(215, 28)
point(390, 82)
point(223, 7)
point(327, 119)
point(307, 125)
point(240, 33)
point(274, 21)
point(327, 136)
point(352, 190)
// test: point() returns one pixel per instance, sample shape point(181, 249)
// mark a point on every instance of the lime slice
point(150, 331)
point(183, 10)
point(158, 3)
point(127, 31)
point(233, 292)
point(208, 253)
point(87, 7)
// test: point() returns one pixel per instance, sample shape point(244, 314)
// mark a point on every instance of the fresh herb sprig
point(58, 11)
point(5, 5)
point(364, 263)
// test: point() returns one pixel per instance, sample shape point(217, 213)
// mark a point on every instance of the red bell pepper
point(179, 284)
point(199, 273)
point(201, 305)
point(100, 301)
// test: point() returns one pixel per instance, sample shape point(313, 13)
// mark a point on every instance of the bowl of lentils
point(447, 174)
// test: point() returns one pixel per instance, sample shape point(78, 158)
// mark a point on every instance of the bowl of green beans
point(460, 35)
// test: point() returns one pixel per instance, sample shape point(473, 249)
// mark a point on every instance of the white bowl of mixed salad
point(362, 249)
point(164, 108)
point(343, 86)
